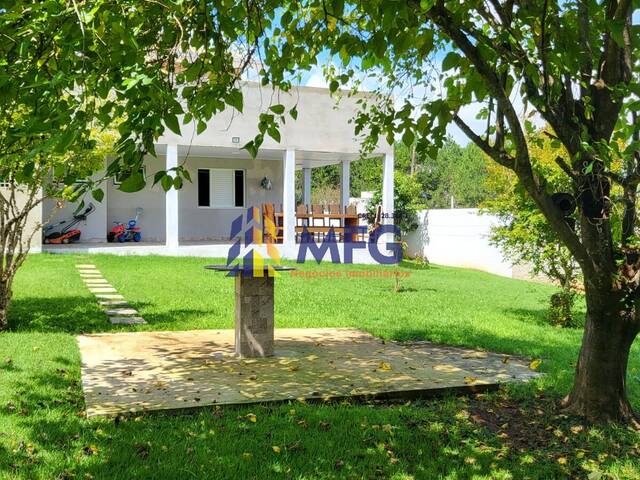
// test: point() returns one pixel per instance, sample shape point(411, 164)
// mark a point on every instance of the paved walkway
point(115, 306)
point(137, 371)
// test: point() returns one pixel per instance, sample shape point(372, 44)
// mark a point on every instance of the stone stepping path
point(115, 306)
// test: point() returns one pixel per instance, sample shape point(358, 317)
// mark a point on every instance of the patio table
point(254, 323)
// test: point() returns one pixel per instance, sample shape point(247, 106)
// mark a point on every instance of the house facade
point(196, 219)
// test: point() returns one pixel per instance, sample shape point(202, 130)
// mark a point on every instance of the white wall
point(458, 238)
point(321, 126)
point(122, 206)
point(34, 221)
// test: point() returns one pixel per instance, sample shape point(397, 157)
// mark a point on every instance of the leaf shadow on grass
point(132, 448)
point(78, 314)
point(429, 439)
point(68, 314)
point(540, 316)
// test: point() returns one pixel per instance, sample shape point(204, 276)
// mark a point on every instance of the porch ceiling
point(304, 158)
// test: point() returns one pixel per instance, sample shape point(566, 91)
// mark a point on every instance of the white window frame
point(233, 188)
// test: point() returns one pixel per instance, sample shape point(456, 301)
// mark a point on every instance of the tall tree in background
point(524, 235)
point(455, 177)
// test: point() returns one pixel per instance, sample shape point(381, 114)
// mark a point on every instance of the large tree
point(572, 63)
point(71, 69)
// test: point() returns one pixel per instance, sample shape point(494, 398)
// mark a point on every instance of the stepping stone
point(94, 281)
point(127, 320)
point(85, 265)
point(121, 312)
point(90, 276)
point(114, 303)
point(109, 296)
point(89, 272)
point(103, 290)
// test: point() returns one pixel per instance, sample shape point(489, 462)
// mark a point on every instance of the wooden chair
point(336, 223)
point(301, 219)
point(317, 221)
point(351, 210)
point(269, 215)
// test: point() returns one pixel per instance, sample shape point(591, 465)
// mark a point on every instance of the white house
point(196, 220)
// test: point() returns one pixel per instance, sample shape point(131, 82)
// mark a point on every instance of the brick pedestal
point(254, 316)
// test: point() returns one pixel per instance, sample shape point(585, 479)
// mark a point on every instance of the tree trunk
point(599, 389)
point(5, 299)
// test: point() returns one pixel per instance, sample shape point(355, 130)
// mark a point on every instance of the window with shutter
point(220, 188)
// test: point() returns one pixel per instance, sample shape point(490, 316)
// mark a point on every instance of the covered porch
point(225, 182)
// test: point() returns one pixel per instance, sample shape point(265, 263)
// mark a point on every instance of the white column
point(171, 211)
point(345, 184)
point(289, 197)
point(387, 188)
point(306, 186)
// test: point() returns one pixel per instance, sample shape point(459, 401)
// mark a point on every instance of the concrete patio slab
point(130, 372)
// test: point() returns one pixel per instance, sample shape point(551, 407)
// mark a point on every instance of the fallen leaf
point(251, 417)
point(311, 358)
point(535, 364)
point(90, 449)
point(470, 379)
point(276, 449)
point(324, 425)
point(247, 456)
point(385, 367)
point(505, 359)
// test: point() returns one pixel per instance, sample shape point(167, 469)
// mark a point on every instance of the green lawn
point(516, 433)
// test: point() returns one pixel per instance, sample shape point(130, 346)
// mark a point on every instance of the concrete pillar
point(306, 186)
point(172, 211)
point(289, 197)
point(345, 184)
point(387, 188)
point(254, 316)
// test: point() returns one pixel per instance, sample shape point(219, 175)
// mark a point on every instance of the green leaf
point(452, 60)
point(294, 113)
point(134, 183)
point(274, 133)
point(235, 100)
point(278, 109)
point(167, 183)
point(171, 121)
point(408, 137)
point(98, 194)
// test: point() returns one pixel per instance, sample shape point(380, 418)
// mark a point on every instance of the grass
point(516, 433)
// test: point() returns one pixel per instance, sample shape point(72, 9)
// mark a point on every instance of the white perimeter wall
point(458, 238)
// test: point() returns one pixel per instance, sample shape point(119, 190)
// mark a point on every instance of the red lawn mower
point(64, 231)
